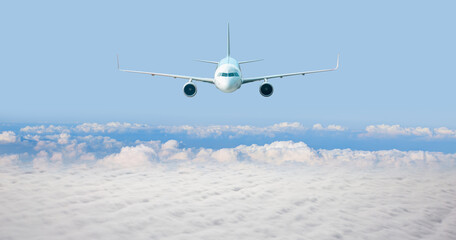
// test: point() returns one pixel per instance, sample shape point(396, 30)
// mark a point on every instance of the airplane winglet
point(118, 65)
point(337, 64)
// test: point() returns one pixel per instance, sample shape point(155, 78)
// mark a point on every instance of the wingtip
point(337, 64)
point(118, 65)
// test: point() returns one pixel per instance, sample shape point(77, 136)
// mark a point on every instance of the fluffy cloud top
point(138, 156)
point(7, 137)
point(277, 153)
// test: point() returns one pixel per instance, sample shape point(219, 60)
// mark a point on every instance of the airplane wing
point(208, 80)
point(248, 80)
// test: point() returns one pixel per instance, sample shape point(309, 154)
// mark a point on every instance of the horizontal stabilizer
point(207, 61)
point(250, 61)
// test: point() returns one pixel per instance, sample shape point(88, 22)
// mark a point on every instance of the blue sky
point(397, 61)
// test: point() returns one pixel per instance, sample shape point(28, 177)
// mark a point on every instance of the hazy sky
point(397, 60)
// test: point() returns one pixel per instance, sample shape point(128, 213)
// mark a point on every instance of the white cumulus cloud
point(385, 130)
point(7, 137)
point(130, 157)
point(109, 127)
point(444, 132)
point(330, 127)
point(234, 130)
point(396, 130)
point(42, 129)
point(280, 152)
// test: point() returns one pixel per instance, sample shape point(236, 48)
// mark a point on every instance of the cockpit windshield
point(233, 74)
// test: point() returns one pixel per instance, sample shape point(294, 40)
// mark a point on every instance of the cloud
point(197, 131)
point(11, 160)
point(71, 144)
point(48, 145)
point(56, 150)
point(44, 129)
point(77, 184)
point(130, 157)
point(98, 142)
point(225, 155)
point(226, 201)
point(41, 161)
point(63, 138)
point(444, 132)
point(144, 154)
point(331, 127)
point(235, 131)
point(86, 128)
point(288, 151)
point(7, 137)
point(384, 130)
point(109, 127)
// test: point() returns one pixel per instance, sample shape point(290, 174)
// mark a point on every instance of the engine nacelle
point(266, 89)
point(189, 89)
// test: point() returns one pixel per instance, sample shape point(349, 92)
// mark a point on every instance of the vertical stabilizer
point(228, 42)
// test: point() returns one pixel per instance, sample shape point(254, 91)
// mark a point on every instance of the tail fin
point(228, 42)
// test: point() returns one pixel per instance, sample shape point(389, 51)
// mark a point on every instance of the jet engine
point(266, 89)
point(189, 89)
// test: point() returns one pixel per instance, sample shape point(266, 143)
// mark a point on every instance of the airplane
point(228, 75)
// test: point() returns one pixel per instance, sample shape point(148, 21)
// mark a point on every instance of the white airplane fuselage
point(228, 75)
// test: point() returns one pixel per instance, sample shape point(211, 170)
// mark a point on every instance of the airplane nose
point(228, 84)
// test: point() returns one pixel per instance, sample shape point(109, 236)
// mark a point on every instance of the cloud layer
point(118, 145)
point(380, 130)
point(64, 152)
point(225, 201)
point(110, 181)
point(384, 130)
